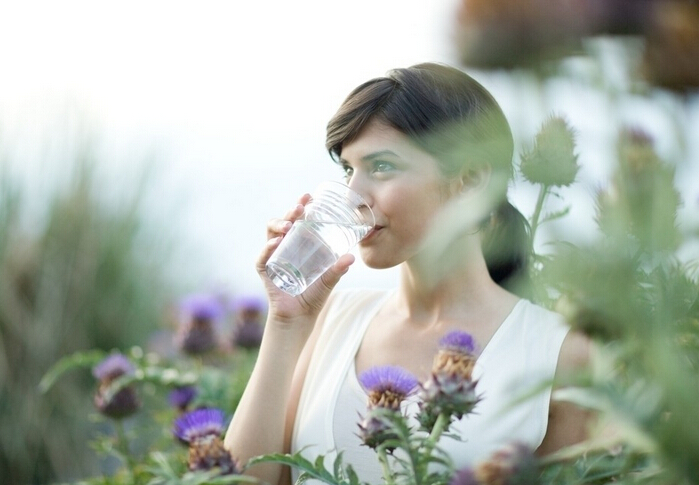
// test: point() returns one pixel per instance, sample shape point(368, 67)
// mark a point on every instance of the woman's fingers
point(266, 253)
point(332, 276)
point(279, 227)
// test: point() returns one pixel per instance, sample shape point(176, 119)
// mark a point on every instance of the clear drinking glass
point(334, 221)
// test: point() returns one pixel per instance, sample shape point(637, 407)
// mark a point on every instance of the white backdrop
point(230, 100)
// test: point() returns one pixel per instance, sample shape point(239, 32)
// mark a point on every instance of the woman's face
point(404, 187)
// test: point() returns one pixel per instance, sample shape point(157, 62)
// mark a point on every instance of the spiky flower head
point(181, 397)
point(514, 464)
point(455, 355)
point(552, 161)
point(124, 401)
point(450, 389)
point(201, 429)
point(198, 314)
point(387, 385)
point(198, 424)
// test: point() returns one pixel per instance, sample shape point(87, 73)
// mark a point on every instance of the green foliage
point(88, 276)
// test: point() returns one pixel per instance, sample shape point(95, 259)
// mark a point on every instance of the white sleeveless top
point(521, 355)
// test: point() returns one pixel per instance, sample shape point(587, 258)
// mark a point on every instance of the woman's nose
point(361, 188)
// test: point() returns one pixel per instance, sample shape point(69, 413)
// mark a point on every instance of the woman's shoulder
point(346, 297)
point(576, 347)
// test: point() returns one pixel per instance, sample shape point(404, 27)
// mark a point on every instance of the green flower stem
point(437, 430)
point(122, 446)
point(383, 459)
point(537, 210)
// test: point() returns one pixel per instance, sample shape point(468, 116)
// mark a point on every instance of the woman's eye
point(348, 171)
point(383, 166)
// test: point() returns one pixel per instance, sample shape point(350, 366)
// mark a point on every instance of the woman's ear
point(475, 179)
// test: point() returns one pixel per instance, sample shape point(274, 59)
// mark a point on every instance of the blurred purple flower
point(248, 334)
point(201, 429)
point(464, 476)
point(387, 385)
point(198, 315)
point(113, 366)
point(249, 303)
point(514, 464)
point(203, 306)
point(182, 396)
point(123, 402)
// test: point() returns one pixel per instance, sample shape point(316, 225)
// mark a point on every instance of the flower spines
point(450, 388)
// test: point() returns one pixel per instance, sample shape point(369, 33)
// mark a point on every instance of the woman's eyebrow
point(372, 156)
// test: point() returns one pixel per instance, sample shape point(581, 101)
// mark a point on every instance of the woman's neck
point(464, 288)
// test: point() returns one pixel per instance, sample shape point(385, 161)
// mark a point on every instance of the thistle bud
point(196, 333)
point(123, 402)
point(552, 161)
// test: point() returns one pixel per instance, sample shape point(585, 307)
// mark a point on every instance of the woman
point(412, 144)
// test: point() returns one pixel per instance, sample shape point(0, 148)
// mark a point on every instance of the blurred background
point(225, 105)
point(144, 145)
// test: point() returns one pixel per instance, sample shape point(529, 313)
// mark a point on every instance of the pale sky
point(231, 100)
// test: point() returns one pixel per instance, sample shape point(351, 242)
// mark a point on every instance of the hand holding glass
point(334, 221)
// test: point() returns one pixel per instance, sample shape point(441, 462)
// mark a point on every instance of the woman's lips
point(371, 233)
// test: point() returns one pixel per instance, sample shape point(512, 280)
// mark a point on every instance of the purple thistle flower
point(196, 333)
point(465, 476)
point(199, 424)
point(450, 389)
point(201, 429)
point(113, 366)
point(249, 303)
point(182, 396)
point(387, 385)
point(202, 306)
point(123, 402)
point(457, 340)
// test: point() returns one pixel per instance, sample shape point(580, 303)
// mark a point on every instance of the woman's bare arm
point(568, 423)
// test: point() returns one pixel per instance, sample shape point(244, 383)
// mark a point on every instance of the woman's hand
point(282, 306)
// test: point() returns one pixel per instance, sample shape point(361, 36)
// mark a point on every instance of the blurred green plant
point(88, 275)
